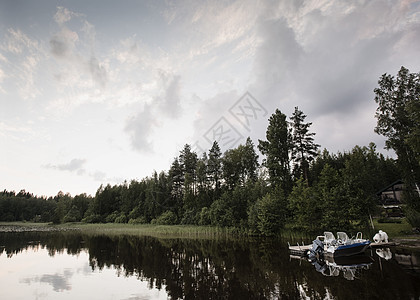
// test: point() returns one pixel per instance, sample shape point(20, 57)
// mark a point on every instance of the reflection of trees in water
point(231, 269)
point(16, 242)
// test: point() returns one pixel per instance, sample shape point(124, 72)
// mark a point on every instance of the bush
point(190, 217)
point(269, 214)
point(139, 220)
point(204, 216)
point(412, 216)
point(111, 217)
point(253, 219)
point(92, 219)
point(221, 213)
point(167, 218)
point(121, 218)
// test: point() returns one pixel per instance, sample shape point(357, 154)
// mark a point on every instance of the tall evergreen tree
point(188, 162)
point(177, 181)
point(277, 149)
point(214, 167)
point(304, 148)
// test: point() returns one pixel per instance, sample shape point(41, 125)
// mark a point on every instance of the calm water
point(69, 265)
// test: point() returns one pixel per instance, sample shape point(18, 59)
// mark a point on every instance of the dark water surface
point(71, 265)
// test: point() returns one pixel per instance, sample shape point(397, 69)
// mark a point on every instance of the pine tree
point(277, 149)
point(304, 149)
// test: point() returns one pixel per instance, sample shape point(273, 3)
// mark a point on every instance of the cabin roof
point(399, 181)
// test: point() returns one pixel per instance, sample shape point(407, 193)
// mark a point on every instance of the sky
point(98, 92)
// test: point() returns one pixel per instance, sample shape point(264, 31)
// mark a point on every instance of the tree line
point(296, 183)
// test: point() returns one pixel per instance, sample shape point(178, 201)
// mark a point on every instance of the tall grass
point(393, 230)
point(170, 231)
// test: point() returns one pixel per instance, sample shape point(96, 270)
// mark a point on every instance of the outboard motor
point(316, 251)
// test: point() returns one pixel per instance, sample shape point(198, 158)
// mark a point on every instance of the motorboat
point(341, 246)
point(345, 246)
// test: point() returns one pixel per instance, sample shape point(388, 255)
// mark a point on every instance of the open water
point(71, 265)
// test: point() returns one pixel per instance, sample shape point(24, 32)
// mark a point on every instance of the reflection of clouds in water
point(85, 269)
point(136, 297)
point(59, 282)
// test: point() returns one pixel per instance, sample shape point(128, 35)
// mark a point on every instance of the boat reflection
point(349, 267)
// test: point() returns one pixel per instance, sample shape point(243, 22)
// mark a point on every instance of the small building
point(390, 198)
point(392, 194)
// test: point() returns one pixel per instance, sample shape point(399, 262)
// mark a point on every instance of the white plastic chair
point(329, 238)
point(343, 237)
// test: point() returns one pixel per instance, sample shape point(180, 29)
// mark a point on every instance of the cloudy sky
point(98, 92)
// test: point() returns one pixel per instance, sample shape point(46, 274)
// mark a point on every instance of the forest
point(296, 184)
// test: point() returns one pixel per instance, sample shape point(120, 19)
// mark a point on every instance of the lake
point(73, 265)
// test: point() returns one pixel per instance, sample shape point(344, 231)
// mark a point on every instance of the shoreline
point(411, 241)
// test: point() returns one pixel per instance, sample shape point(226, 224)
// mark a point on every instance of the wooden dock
point(381, 245)
point(299, 250)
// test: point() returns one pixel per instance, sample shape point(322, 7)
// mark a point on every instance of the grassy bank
point(189, 231)
point(185, 231)
point(394, 230)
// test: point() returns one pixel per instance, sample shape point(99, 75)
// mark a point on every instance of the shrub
point(204, 216)
point(139, 220)
point(167, 218)
point(111, 217)
point(92, 219)
point(413, 217)
point(121, 218)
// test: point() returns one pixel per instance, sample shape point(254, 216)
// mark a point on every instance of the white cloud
point(98, 72)
point(81, 75)
point(22, 132)
point(211, 25)
point(64, 15)
point(169, 98)
point(17, 42)
point(75, 165)
point(2, 77)
point(63, 43)
point(21, 58)
point(140, 128)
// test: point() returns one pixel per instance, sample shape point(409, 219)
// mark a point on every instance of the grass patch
point(170, 231)
point(24, 223)
point(394, 230)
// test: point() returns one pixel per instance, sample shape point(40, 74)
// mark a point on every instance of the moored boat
point(343, 245)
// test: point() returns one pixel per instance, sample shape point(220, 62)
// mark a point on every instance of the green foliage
point(73, 215)
point(190, 217)
point(240, 165)
point(304, 148)
point(94, 218)
point(204, 216)
point(305, 207)
point(335, 204)
point(214, 167)
point(111, 217)
point(398, 119)
point(277, 149)
point(122, 218)
point(221, 212)
point(139, 220)
point(268, 215)
point(413, 215)
point(167, 218)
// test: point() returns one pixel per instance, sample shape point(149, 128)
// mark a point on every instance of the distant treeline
point(296, 183)
point(309, 189)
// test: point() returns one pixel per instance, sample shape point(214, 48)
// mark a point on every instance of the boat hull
point(352, 249)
